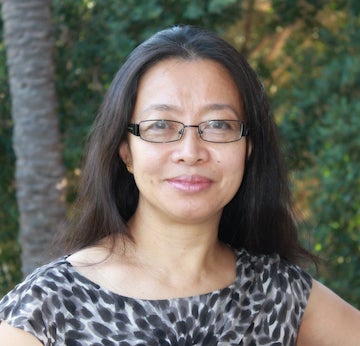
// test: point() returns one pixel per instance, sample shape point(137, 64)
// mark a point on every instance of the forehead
point(179, 67)
point(187, 83)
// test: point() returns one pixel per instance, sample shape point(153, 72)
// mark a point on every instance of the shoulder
point(48, 277)
point(328, 320)
point(279, 282)
point(32, 303)
point(43, 279)
point(275, 271)
point(278, 292)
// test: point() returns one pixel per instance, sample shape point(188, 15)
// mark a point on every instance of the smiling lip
point(193, 183)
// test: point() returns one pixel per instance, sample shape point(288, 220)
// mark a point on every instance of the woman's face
point(190, 180)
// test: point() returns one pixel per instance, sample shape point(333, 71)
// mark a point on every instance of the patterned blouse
point(263, 306)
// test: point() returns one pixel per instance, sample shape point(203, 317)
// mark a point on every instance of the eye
point(157, 125)
point(218, 125)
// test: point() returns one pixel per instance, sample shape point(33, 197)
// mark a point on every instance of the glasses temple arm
point(134, 129)
point(245, 130)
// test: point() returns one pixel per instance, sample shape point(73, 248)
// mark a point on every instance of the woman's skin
point(183, 188)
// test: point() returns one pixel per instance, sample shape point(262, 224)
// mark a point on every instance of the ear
point(125, 155)
point(249, 147)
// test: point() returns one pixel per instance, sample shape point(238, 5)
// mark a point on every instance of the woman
point(185, 233)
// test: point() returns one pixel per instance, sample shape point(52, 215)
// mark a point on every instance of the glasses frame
point(134, 129)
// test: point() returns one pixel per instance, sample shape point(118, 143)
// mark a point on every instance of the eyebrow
point(161, 107)
point(211, 107)
point(220, 107)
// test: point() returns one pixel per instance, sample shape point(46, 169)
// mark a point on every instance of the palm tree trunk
point(29, 43)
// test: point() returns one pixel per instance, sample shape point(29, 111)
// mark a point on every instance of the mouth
point(193, 183)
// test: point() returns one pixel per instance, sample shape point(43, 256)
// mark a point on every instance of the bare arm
point(328, 320)
point(11, 336)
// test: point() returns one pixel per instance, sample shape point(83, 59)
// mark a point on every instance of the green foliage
point(322, 126)
point(289, 10)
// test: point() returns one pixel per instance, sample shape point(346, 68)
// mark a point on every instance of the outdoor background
point(55, 67)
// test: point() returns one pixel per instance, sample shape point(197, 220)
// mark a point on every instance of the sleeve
point(294, 281)
point(28, 307)
point(288, 296)
point(285, 289)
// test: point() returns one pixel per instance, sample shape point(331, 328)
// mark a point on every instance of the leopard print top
point(263, 306)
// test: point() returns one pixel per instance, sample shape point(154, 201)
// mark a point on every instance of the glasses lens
point(163, 131)
point(221, 131)
point(160, 131)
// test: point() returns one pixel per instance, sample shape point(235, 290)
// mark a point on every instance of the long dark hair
point(259, 218)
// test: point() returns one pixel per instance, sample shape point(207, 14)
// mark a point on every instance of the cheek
point(234, 171)
point(147, 163)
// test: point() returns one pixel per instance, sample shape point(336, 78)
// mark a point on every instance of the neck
point(167, 244)
point(169, 260)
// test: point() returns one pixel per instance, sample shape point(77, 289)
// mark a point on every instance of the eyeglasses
point(165, 131)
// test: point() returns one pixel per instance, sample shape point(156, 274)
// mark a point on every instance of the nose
point(190, 149)
point(193, 126)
